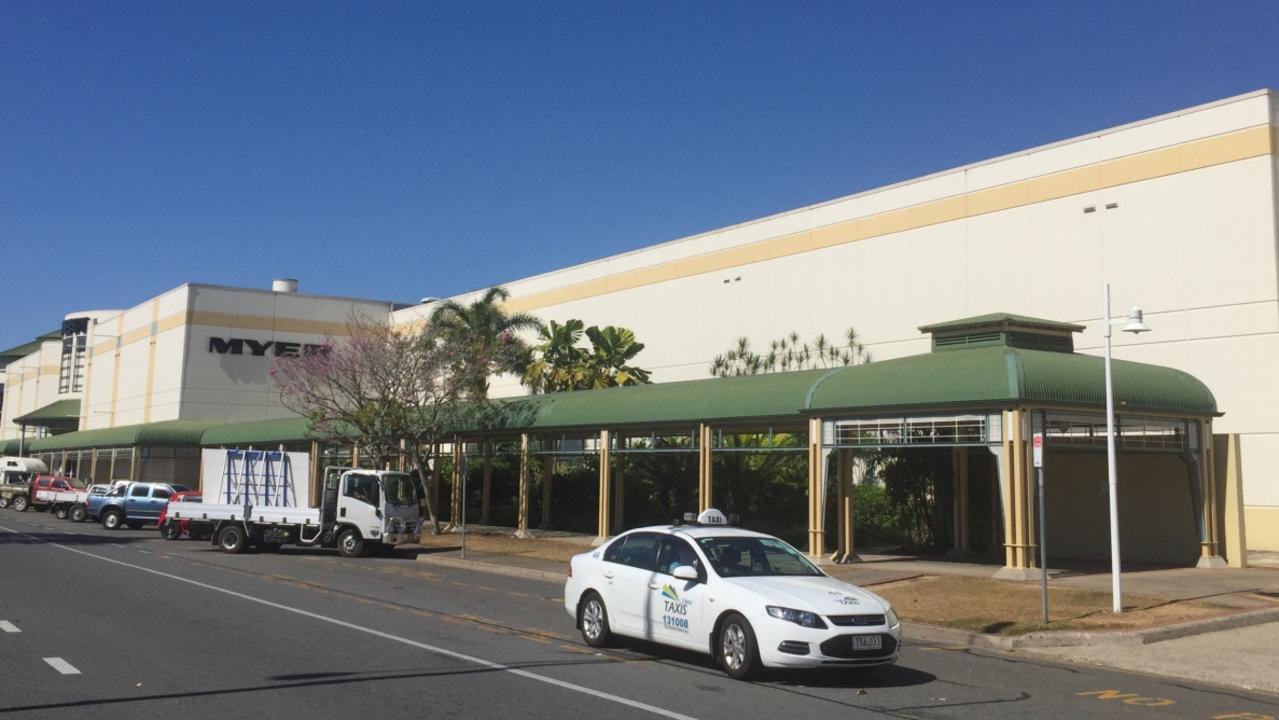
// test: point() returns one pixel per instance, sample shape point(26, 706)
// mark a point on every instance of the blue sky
point(395, 150)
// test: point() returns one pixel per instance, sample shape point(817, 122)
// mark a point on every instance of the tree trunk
point(424, 476)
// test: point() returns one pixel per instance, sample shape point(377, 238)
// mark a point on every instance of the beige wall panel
point(998, 258)
point(1224, 117)
point(1156, 515)
point(1259, 457)
point(1229, 223)
point(1140, 138)
point(1009, 170)
point(174, 302)
point(1066, 156)
point(1262, 526)
point(169, 349)
point(1142, 245)
point(1061, 257)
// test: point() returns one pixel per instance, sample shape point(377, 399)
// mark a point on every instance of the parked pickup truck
point(134, 504)
point(15, 480)
point(57, 493)
point(78, 512)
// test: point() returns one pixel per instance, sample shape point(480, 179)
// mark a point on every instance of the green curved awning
point(169, 433)
point(60, 410)
point(988, 377)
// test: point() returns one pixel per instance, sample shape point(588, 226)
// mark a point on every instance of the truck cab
point(134, 504)
point(368, 507)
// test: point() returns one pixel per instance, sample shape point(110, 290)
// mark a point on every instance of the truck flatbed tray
point(269, 514)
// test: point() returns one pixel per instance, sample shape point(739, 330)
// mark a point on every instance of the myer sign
point(259, 348)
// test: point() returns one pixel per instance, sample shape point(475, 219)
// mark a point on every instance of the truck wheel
point(20, 503)
point(350, 544)
point(738, 654)
point(233, 540)
point(170, 531)
point(4, 502)
point(593, 621)
point(60, 512)
point(112, 519)
point(77, 513)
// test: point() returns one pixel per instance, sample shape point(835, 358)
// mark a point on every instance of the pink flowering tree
point(377, 387)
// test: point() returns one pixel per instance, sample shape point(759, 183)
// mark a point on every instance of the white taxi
point(748, 599)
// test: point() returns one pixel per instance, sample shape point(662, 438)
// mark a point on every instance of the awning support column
point(816, 489)
point(1012, 472)
point(960, 540)
point(606, 486)
point(521, 522)
point(848, 470)
point(1235, 536)
point(455, 497)
point(705, 468)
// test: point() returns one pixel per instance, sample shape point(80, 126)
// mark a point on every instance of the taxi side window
point(675, 552)
point(639, 551)
point(614, 551)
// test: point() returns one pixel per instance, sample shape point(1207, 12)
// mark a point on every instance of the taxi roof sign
point(711, 516)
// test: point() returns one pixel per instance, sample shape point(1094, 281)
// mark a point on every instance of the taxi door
point(677, 607)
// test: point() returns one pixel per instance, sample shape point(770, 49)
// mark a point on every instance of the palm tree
point(611, 349)
point(485, 338)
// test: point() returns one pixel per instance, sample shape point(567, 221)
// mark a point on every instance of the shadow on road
point(34, 537)
point(289, 682)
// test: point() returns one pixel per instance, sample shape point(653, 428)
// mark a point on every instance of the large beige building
point(1178, 213)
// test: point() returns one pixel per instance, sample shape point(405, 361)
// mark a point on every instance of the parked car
point(172, 529)
point(134, 504)
point(748, 599)
point(15, 480)
point(57, 493)
point(77, 512)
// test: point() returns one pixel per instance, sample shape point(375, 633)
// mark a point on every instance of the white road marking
point(653, 709)
point(8, 627)
point(62, 666)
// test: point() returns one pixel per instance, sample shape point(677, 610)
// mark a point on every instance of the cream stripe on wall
point(1252, 142)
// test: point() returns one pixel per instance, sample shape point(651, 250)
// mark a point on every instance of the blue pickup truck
point(134, 504)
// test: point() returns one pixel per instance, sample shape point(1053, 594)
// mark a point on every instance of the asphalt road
point(99, 624)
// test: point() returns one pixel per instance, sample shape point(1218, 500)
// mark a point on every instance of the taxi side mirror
point(685, 572)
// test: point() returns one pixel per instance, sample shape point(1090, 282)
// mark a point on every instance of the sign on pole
point(1037, 443)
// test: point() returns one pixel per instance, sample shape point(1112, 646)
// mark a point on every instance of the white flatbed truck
point(250, 499)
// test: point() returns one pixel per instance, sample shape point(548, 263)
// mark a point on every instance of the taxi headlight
point(893, 620)
point(799, 617)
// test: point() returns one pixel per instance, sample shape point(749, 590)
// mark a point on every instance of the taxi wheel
point(593, 621)
point(738, 653)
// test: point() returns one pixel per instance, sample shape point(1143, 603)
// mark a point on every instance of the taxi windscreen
point(751, 556)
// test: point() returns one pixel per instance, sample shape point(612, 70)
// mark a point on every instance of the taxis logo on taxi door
point(675, 610)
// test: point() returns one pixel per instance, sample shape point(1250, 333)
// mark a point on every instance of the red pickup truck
point(57, 493)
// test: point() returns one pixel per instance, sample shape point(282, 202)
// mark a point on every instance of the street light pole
point(1116, 594)
point(1135, 324)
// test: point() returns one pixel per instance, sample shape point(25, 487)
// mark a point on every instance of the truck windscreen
point(400, 489)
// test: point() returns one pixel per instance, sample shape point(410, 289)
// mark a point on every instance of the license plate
point(868, 642)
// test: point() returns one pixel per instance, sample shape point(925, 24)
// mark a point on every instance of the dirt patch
point(1012, 608)
point(534, 548)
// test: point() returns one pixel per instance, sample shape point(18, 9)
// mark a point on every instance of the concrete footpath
point(1236, 650)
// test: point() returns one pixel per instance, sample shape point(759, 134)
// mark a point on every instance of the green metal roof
point(258, 432)
point(57, 410)
point(1001, 321)
point(752, 397)
point(977, 378)
point(10, 447)
point(169, 433)
point(1004, 376)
